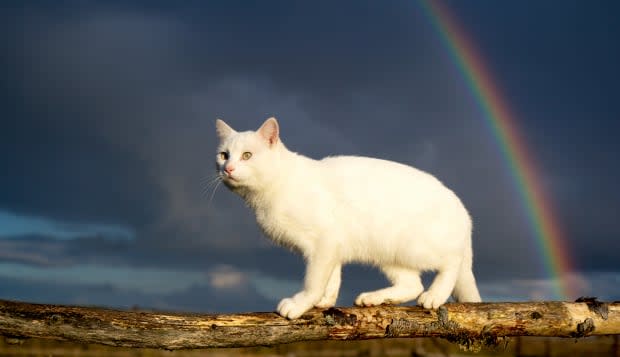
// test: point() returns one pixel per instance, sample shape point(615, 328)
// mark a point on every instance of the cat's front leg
point(318, 270)
point(440, 289)
point(331, 290)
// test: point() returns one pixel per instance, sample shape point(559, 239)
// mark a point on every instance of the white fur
point(352, 209)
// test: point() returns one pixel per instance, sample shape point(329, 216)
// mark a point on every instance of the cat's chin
point(232, 183)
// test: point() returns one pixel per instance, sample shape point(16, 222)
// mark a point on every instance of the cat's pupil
point(246, 155)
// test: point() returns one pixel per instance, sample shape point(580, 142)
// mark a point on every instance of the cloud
point(26, 252)
point(226, 277)
point(195, 298)
point(221, 288)
point(126, 81)
point(12, 225)
point(143, 280)
point(603, 285)
point(109, 124)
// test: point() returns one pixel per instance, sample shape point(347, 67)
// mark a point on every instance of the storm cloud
point(109, 112)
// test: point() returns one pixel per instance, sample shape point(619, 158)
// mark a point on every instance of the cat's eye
point(224, 155)
point(246, 155)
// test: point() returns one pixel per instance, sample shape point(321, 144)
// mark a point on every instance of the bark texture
point(469, 325)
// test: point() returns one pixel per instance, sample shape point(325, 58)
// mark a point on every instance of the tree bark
point(470, 325)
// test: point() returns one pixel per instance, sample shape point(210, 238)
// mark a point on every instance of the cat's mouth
point(230, 180)
point(226, 176)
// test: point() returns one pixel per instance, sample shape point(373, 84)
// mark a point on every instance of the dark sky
point(107, 138)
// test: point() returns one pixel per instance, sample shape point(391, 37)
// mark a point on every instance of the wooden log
point(470, 325)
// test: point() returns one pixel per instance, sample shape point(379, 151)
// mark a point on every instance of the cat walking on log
point(344, 209)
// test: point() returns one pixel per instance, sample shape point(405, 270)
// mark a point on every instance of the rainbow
point(502, 122)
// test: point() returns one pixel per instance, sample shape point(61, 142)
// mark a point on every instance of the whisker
point(211, 182)
point(213, 192)
point(209, 178)
point(208, 187)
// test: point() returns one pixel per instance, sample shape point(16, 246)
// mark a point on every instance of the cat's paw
point(295, 306)
point(372, 298)
point(326, 302)
point(430, 300)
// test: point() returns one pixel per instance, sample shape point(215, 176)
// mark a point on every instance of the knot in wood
point(55, 319)
point(595, 306)
point(334, 316)
point(585, 328)
point(536, 315)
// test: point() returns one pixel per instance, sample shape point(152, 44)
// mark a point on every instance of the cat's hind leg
point(465, 289)
point(407, 286)
point(331, 290)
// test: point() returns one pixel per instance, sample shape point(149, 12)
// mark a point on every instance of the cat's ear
point(223, 129)
point(270, 131)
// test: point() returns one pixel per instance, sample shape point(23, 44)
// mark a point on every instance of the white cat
point(351, 209)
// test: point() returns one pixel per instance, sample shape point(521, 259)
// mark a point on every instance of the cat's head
point(246, 160)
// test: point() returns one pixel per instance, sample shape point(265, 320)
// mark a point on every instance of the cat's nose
point(229, 169)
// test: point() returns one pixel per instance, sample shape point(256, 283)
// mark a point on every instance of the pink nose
point(229, 169)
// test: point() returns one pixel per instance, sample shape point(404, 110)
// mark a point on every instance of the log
point(471, 325)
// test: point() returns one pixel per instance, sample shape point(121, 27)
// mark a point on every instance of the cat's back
point(383, 183)
point(367, 169)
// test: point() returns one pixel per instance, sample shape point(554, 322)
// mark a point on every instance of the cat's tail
point(465, 289)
